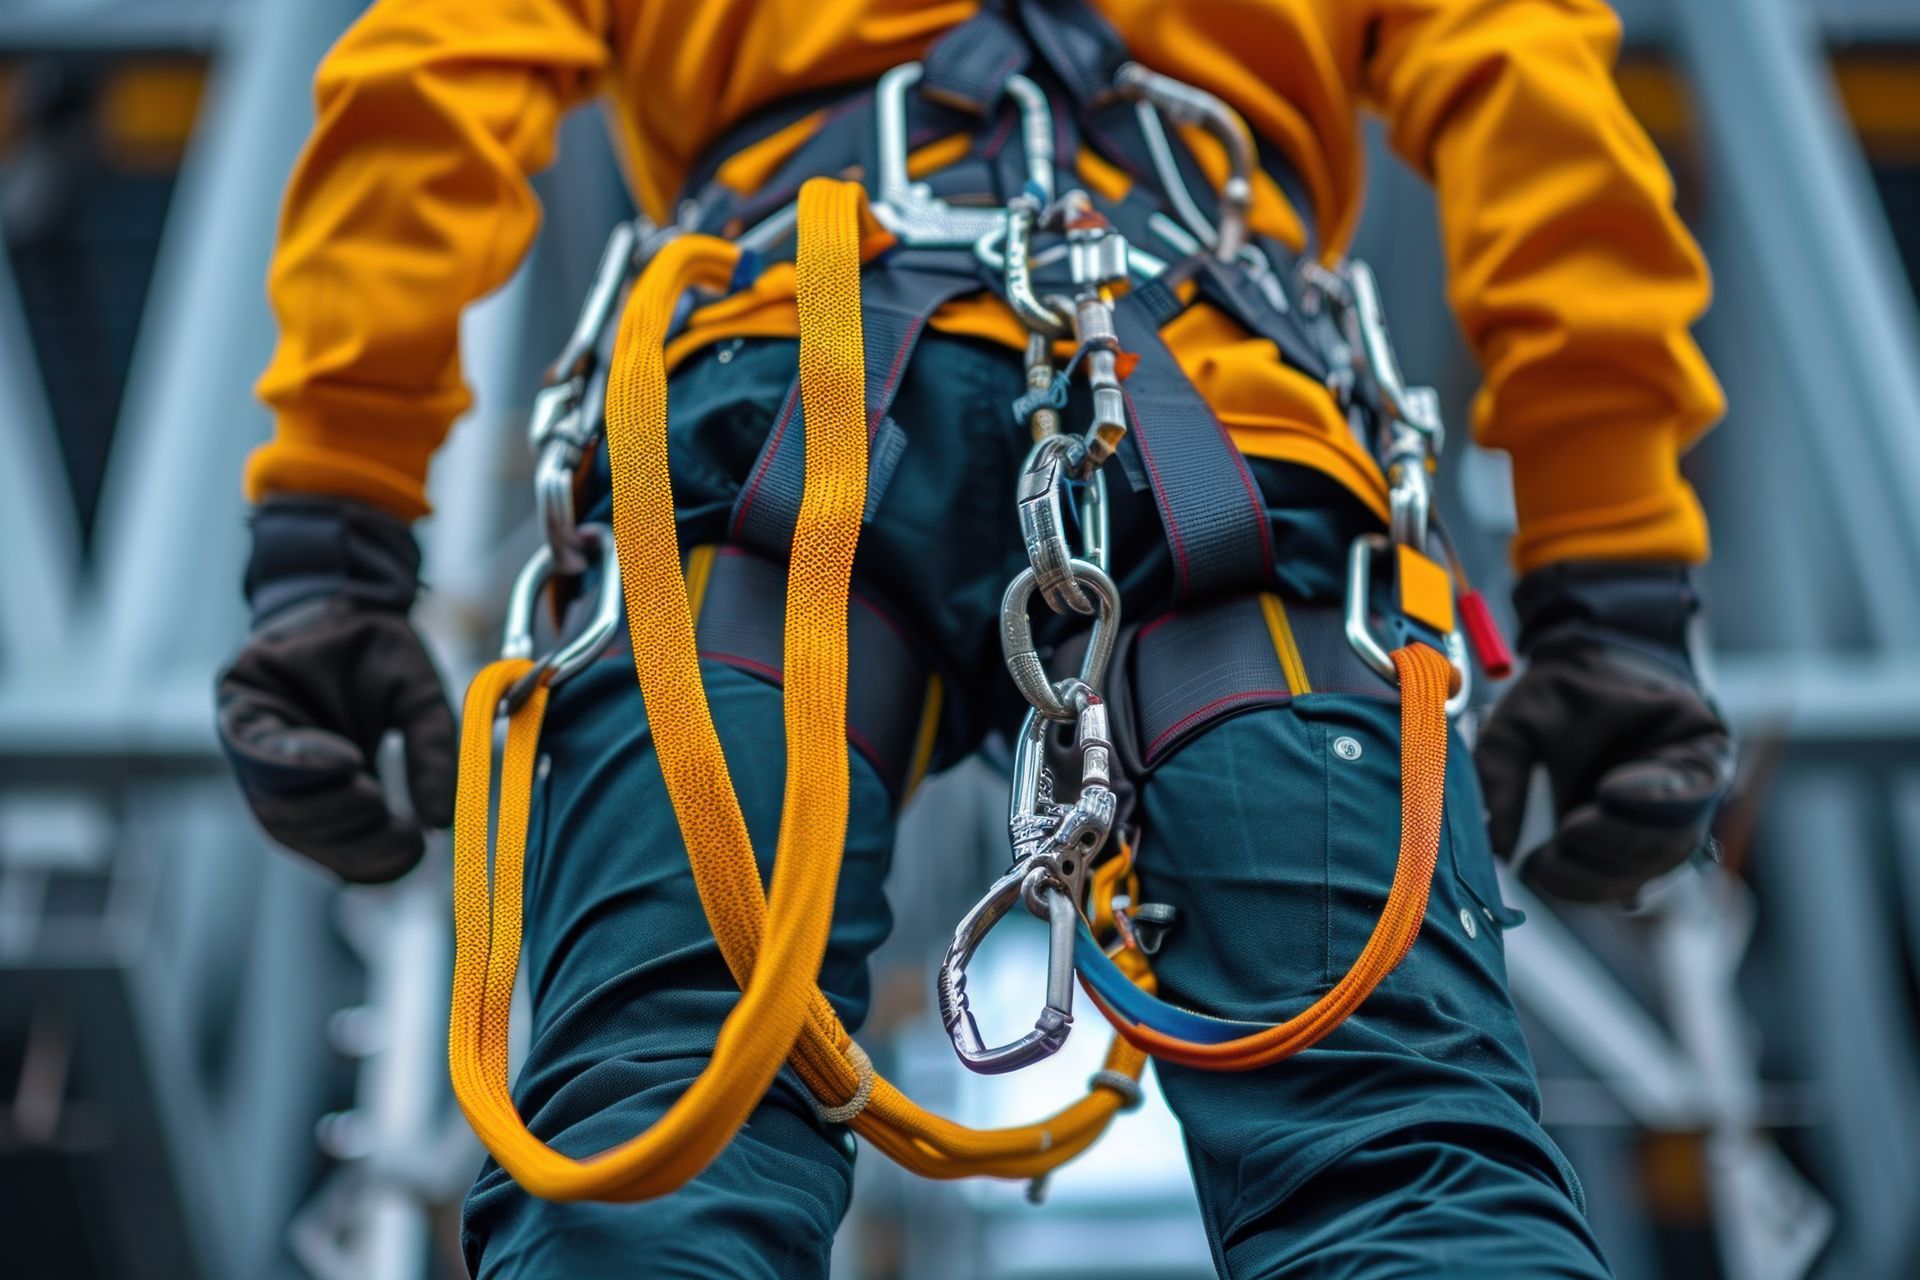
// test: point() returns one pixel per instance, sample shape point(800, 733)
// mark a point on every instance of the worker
point(1409, 1140)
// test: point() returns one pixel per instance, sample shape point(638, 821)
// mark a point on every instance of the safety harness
point(872, 263)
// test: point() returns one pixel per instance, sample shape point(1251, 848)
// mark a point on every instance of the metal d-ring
point(1360, 631)
point(523, 606)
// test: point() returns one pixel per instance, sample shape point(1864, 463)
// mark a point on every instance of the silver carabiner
point(567, 410)
point(1056, 1014)
point(575, 654)
point(1037, 502)
point(1054, 846)
point(1023, 212)
point(1188, 104)
point(910, 210)
point(1023, 661)
point(1360, 630)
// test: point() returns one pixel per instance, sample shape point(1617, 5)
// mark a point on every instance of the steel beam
point(170, 507)
point(1842, 320)
point(38, 527)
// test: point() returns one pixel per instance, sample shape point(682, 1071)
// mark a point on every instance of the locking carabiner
point(1037, 502)
point(1056, 1014)
point(1054, 845)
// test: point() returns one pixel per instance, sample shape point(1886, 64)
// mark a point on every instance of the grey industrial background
point(214, 1064)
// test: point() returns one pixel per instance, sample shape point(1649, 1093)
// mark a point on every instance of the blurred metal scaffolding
point(214, 1065)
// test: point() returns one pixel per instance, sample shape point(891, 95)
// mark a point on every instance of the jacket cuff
point(287, 468)
point(1604, 491)
point(1647, 608)
point(309, 548)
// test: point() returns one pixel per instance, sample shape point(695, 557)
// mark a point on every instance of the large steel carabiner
point(909, 209)
point(523, 606)
point(1023, 660)
point(1056, 1015)
point(1054, 846)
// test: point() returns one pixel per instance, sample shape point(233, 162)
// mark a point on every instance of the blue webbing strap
point(1116, 991)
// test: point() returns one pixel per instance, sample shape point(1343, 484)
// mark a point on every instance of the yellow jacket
point(1573, 279)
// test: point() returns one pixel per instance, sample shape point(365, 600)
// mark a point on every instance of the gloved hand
point(331, 665)
point(1638, 757)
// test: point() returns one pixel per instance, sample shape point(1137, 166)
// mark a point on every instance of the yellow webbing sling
point(773, 945)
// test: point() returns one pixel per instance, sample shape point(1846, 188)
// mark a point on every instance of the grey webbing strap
point(834, 146)
point(1210, 508)
point(1079, 46)
point(895, 302)
point(1230, 289)
point(969, 67)
point(742, 623)
point(1194, 667)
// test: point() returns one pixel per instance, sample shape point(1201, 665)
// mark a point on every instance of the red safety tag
point(1483, 633)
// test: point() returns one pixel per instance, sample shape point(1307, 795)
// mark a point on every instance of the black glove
point(1638, 757)
point(332, 664)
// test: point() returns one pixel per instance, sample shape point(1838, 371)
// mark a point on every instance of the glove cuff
point(1648, 608)
point(307, 548)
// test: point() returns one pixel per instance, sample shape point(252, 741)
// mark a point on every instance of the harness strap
point(1079, 46)
point(1173, 1034)
point(892, 695)
point(895, 304)
point(1234, 293)
point(969, 67)
point(1211, 509)
point(1193, 667)
point(844, 110)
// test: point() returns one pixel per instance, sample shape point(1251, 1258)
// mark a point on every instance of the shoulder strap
point(1214, 518)
point(969, 67)
point(1079, 46)
point(896, 300)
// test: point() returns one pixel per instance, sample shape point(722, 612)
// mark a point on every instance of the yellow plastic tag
point(1426, 589)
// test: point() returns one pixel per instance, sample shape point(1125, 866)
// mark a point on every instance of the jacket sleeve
point(409, 201)
point(1572, 276)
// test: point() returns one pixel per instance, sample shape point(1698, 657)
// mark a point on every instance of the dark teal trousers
point(1406, 1144)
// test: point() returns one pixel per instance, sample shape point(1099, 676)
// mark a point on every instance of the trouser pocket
point(1272, 801)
